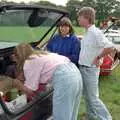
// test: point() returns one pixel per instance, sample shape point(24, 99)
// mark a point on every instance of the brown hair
point(23, 52)
point(88, 13)
point(65, 21)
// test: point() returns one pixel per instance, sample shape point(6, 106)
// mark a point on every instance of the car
point(111, 61)
point(34, 25)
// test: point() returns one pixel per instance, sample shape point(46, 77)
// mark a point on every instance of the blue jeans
point(67, 85)
point(95, 107)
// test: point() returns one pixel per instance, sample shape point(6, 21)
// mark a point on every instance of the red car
point(111, 61)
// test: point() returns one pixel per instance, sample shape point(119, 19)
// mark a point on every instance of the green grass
point(109, 93)
point(79, 31)
point(21, 34)
point(26, 34)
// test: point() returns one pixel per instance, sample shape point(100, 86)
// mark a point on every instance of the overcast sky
point(57, 2)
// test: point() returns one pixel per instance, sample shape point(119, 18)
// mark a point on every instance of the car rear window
point(14, 26)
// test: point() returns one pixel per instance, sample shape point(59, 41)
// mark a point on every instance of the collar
point(66, 36)
point(91, 27)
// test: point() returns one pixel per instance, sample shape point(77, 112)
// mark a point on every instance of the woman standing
point(65, 42)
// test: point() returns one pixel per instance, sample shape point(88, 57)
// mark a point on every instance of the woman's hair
point(65, 21)
point(88, 13)
point(23, 52)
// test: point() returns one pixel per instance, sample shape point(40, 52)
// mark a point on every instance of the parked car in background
point(33, 25)
point(111, 61)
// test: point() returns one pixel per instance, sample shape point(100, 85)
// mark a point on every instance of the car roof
point(113, 34)
point(16, 6)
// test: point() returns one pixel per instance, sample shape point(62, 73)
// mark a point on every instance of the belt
point(84, 66)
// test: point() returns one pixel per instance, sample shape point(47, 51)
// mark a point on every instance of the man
point(94, 46)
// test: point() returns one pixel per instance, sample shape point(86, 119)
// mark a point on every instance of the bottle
point(13, 94)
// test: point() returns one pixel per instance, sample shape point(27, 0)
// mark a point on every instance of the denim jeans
point(95, 107)
point(67, 85)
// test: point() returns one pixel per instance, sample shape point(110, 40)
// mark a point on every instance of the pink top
point(39, 69)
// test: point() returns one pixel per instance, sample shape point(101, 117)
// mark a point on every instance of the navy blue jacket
point(68, 46)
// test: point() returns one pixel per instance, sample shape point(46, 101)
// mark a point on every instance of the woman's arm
point(75, 50)
point(23, 88)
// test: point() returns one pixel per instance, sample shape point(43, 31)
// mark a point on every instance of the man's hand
point(98, 61)
point(118, 54)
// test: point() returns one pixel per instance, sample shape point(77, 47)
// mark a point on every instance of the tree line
point(104, 8)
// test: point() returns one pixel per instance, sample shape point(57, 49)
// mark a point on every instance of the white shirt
point(92, 45)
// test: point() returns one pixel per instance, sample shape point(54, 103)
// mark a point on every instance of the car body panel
point(4, 45)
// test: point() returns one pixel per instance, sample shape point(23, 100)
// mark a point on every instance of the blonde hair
point(88, 13)
point(23, 52)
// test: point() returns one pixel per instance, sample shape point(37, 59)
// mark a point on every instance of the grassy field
point(109, 93)
point(79, 31)
point(26, 34)
point(21, 34)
